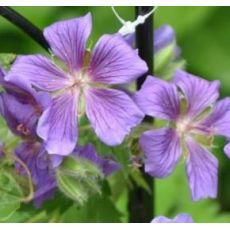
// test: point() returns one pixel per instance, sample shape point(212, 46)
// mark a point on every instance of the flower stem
point(30, 196)
point(18, 20)
point(141, 202)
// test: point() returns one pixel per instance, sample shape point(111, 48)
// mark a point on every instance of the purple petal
point(162, 151)
point(218, 122)
point(26, 94)
point(158, 98)
point(58, 124)
point(181, 218)
point(201, 167)
point(21, 118)
point(2, 72)
point(38, 71)
point(227, 150)
point(115, 62)
point(38, 162)
point(163, 36)
point(130, 39)
point(199, 92)
point(68, 39)
point(108, 166)
point(112, 113)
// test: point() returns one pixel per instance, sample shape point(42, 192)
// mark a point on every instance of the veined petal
point(115, 62)
point(38, 71)
point(201, 167)
point(158, 98)
point(162, 151)
point(199, 92)
point(218, 122)
point(67, 39)
point(58, 124)
point(180, 218)
point(112, 114)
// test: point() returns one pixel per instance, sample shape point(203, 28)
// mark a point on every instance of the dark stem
point(15, 18)
point(141, 203)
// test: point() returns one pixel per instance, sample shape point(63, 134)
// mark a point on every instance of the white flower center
point(183, 126)
point(79, 80)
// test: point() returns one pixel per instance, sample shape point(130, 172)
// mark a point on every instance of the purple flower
point(194, 118)
point(39, 163)
point(21, 106)
point(163, 37)
point(107, 165)
point(85, 76)
point(180, 218)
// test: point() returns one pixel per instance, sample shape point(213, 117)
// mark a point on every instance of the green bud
point(78, 178)
point(163, 57)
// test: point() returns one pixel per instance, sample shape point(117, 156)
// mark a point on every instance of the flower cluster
point(45, 98)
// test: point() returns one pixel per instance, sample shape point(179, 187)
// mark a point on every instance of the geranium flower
point(87, 76)
point(194, 118)
point(21, 106)
point(180, 218)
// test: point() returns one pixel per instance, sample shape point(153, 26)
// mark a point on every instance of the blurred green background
point(203, 33)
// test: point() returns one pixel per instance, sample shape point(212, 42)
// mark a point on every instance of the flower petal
point(21, 118)
point(115, 62)
point(67, 39)
point(180, 218)
point(163, 36)
point(37, 160)
point(2, 73)
point(218, 122)
point(162, 151)
point(112, 114)
point(158, 98)
point(58, 124)
point(199, 92)
point(107, 166)
point(38, 71)
point(227, 150)
point(201, 167)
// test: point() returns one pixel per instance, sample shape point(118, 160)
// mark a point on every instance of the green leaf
point(173, 197)
point(10, 195)
point(138, 178)
point(99, 209)
point(78, 178)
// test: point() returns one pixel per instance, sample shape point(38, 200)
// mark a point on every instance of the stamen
point(23, 129)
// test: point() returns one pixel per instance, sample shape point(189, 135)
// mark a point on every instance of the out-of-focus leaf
point(10, 195)
point(173, 197)
point(99, 209)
